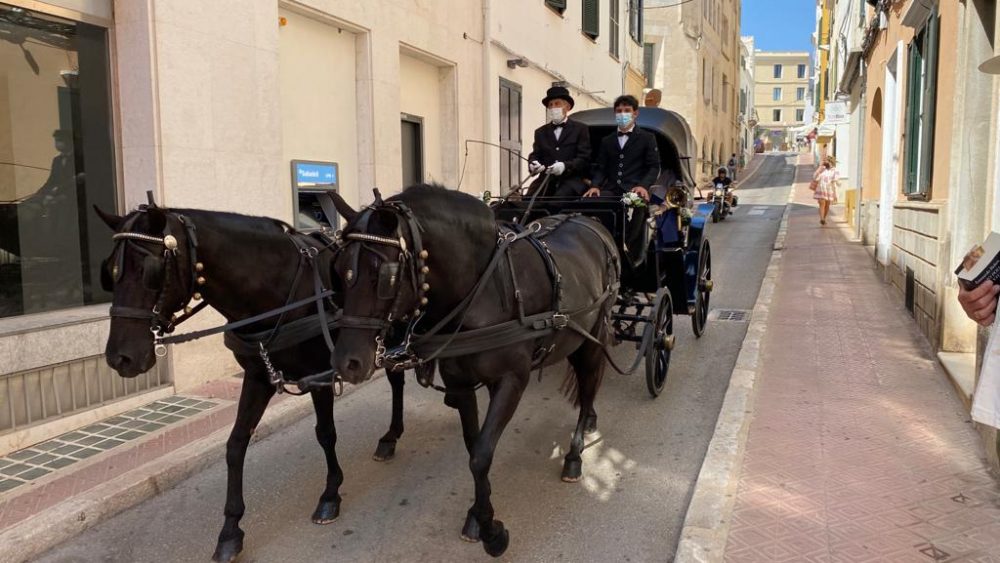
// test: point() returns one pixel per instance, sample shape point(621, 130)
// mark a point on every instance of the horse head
point(153, 275)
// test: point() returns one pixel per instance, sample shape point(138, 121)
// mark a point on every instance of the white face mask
point(555, 115)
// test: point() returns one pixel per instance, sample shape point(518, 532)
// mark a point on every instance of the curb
point(706, 524)
point(62, 522)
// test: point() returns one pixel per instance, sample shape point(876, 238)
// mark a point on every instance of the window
point(921, 97)
point(591, 18)
point(613, 28)
point(776, 115)
point(800, 115)
point(801, 71)
point(649, 63)
point(743, 101)
point(412, 148)
point(776, 94)
point(777, 71)
point(800, 94)
point(635, 20)
point(58, 165)
point(705, 86)
point(557, 5)
point(725, 93)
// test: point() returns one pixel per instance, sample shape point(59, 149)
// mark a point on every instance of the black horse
point(242, 266)
point(429, 252)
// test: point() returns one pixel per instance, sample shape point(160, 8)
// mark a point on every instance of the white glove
point(535, 167)
point(557, 169)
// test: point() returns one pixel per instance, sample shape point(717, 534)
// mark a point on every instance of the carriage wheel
point(661, 323)
point(703, 291)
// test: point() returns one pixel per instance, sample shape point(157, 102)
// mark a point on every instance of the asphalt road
point(639, 470)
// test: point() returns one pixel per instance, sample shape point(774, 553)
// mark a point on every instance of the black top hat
point(556, 93)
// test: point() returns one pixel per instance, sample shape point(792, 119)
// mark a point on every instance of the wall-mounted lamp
point(519, 62)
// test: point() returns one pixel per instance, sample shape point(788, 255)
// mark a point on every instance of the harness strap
point(292, 333)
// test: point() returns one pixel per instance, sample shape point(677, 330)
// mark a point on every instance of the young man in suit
point(561, 148)
point(628, 159)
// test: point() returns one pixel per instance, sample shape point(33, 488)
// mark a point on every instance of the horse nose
point(353, 364)
point(119, 361)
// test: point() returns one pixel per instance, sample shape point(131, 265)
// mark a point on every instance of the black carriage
point(666, 256)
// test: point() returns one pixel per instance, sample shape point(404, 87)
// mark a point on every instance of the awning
point(918, 12)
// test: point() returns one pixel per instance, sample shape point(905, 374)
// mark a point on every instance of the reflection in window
point(55, 162)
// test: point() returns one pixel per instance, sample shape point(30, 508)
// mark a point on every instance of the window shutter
point(591, 18)
point(929, 105)
point(912, 131)
point(558, 5)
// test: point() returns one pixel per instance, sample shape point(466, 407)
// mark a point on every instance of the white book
point(981, 263)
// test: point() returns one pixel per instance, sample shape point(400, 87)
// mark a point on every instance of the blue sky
point(779, 25)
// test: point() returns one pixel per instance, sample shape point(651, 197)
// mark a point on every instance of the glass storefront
point(56, 161)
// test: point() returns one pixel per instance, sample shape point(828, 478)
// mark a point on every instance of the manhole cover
point(730, 315)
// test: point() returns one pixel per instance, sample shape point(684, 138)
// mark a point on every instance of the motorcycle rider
point(722, 177)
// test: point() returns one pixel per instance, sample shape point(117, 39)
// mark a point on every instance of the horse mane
point(464, 212)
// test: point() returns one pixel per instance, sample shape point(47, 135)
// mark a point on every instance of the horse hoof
point(470, 532)
point(497, 545)
point(572, 471)
point(327, 511)
point(384, 451)
point(228, 550)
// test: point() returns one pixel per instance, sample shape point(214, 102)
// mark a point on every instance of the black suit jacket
point(572, 149)
point(618, 170)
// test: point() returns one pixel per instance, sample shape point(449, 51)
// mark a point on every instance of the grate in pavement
point(729, 315)
point(42, 459)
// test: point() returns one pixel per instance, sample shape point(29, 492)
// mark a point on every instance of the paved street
point(639, 470)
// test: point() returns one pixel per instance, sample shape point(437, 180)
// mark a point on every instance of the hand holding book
point(979, 281)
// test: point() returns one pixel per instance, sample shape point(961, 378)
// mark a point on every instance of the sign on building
point(836, 113)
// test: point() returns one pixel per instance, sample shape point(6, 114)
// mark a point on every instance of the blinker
point(388, 276)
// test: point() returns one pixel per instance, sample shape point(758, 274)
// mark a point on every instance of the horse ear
point(343, 207)
point(114, 222)
point(157, 218)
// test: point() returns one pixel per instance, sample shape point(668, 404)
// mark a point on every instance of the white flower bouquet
point(632, 199)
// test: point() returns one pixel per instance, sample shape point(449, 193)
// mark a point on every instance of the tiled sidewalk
point(858, 449)
point(37, 478)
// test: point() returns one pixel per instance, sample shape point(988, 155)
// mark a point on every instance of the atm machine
point(310, 179)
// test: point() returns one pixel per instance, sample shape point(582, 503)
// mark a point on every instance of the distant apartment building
point(780, 92)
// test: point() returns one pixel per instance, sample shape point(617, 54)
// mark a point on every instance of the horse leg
point(588, 364)
point(328, 508)
point(504, 398)
point(254, 396)
point(386, 448)
point(468, 411)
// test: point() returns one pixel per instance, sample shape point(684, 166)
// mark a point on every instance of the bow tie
point(558, 126)
point(624, 134)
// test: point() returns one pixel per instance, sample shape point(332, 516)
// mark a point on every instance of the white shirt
point(558, 128)
point(623, 138)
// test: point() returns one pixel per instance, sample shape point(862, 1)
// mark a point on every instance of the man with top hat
point(628, 159)
point(561, 149)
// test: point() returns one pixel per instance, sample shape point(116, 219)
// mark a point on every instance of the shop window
point(921, 98)
point(56, 162)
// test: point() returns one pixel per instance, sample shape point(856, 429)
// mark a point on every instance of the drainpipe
point(863, 76)
point(487, 85)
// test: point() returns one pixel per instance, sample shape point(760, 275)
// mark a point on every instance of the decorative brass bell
point(196, 296)
point(423, 300)
point(187, 310)
point(200, 280)
point(424, 270)
point(199, 267)
point(424, 254)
